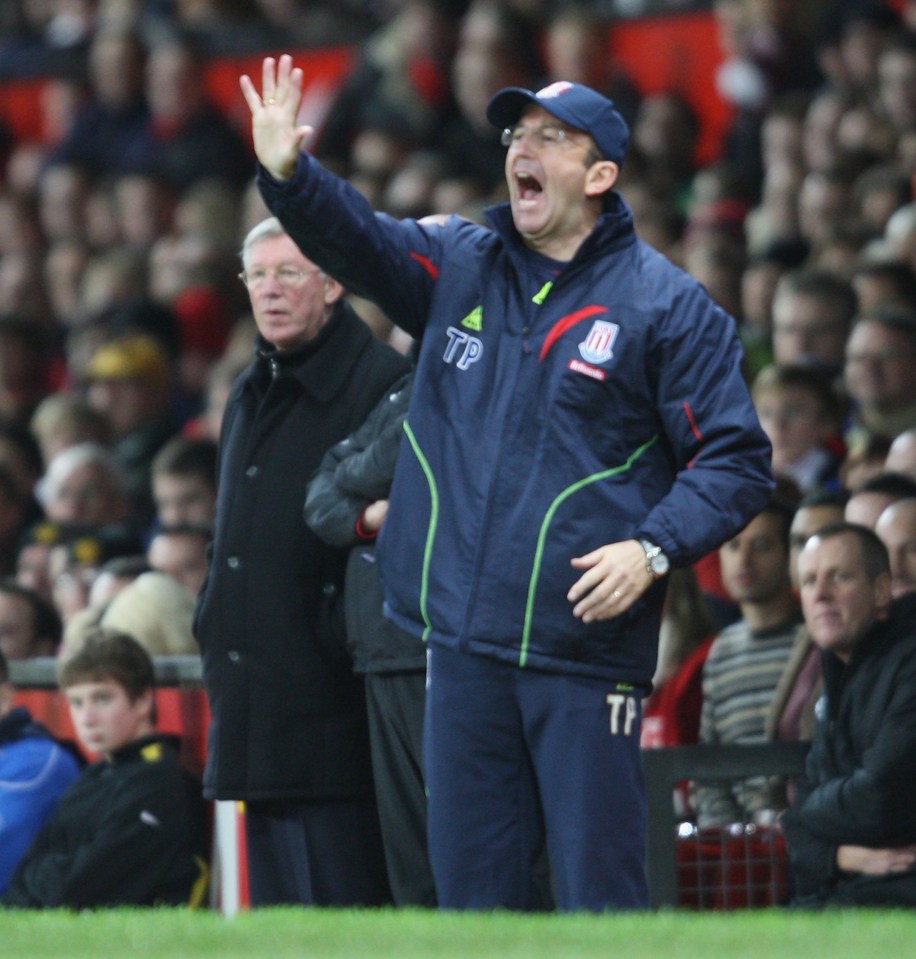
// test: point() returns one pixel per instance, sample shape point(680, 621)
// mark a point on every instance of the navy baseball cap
point(574, 104)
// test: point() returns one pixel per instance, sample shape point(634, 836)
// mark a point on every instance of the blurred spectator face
point(576, 51)
point(781, 140)
point(900, 234)
point(24, 168)
point(758, 286)
point(874, 290)
point(663, 130)
point(19, 228)
point(839, 600)
point(62, 202)
point(182, 555)
point(61, 99)
point(144, 209)
point(861, 129)
point(793, 421)
point(879, 367)
point(860, 50)
point(128, 402)
point(807, 330)
point(487, 59)
point(63, 273)
point(17, 628)
point(897, 528)
point(21, 287)
point(819, 130)
point(33, 569)
point(116, 69)
point(87, 496)
point(897, 87)
point(754, 563)
point(901, 457)
point(183, 499)
point(174, 86)
point(823, 202)
point(805, 523)
point(71, 581)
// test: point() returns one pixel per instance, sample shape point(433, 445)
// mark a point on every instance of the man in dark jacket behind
point(346, 506)
point(852, 834)
point(288, 732)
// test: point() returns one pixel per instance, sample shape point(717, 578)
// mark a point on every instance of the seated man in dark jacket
point(852, 834)
point(131, 830)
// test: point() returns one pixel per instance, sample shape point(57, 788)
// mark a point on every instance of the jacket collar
point(883, 632)
point(321, 367)
point(613, 231)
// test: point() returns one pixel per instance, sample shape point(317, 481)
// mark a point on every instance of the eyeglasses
point(547, 135)
point(286, 276)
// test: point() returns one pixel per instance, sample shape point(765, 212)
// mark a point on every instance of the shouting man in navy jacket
point(579, 422)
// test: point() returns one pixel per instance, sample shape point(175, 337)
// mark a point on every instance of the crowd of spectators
point(123, 324)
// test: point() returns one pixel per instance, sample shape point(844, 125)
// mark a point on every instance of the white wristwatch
point(657, 562)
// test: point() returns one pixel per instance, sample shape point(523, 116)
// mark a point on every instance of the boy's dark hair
point(108, 654)
point(182, 456)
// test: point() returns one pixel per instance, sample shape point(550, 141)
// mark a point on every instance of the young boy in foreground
point(131, 830)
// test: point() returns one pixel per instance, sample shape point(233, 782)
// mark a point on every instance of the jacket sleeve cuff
point(367, 535)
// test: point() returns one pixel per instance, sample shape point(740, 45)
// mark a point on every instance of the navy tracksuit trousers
point(516, 756)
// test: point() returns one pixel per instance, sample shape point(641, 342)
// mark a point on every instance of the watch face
point(660, 564)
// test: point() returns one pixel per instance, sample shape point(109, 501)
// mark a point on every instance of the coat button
point(252, 472)
point(234, 655)
point(233, 562)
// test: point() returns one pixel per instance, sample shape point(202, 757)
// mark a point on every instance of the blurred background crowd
point(123, 323)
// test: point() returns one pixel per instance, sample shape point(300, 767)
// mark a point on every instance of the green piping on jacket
point(542, 536)
point(431, 529)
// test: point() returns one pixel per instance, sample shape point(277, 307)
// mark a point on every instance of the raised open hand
point(277, 137)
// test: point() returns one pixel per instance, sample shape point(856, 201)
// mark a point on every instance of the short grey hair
point(265, 230)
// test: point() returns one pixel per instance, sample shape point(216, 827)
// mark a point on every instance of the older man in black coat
point(288, 731)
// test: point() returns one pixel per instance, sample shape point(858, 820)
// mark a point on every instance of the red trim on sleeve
point(426, 263)
point(365, 534)
point(693, 422)
point(566, 323)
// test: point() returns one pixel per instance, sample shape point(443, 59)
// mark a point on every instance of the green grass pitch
point(415, 934)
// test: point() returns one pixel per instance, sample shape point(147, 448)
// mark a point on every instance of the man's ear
point(601, 177)
point(333, 291)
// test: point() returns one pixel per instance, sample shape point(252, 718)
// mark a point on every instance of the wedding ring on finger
point(617, 594)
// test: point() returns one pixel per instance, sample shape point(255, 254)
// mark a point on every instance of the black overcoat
point(287, 713)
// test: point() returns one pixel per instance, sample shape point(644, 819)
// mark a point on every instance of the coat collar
point(323, 366)
point(613, 231)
